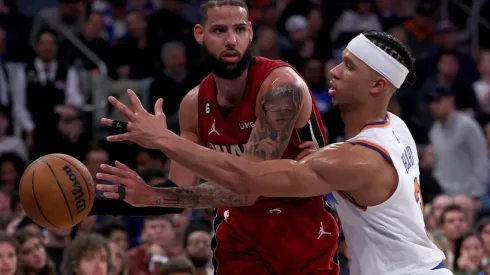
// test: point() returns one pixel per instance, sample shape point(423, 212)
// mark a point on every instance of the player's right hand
point(136, 191)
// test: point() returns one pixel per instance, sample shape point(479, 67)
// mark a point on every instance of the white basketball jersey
point(390, 238)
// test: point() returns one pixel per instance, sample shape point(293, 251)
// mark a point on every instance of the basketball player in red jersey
point(255, 108)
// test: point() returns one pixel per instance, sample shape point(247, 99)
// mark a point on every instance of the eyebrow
point(347, 59)
point(226, 26)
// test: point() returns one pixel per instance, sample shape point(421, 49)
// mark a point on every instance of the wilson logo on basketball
point(77, 189)
point(246, 125)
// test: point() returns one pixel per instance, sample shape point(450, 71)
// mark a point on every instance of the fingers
point(124, 167)
point(135, 102)
point(121, 137)
point(106, 121)
point(115, 171)
point(307, 144)
point(112, 178)
point(159, 107)
point(107, 188)
point(114, 196)
point(123, 108)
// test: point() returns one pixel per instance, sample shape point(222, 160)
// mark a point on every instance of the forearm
point(237, 174)
point(204, 195)
point(110, 207)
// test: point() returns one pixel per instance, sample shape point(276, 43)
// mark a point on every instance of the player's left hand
point(142, 127)
point(136, 191)
point(308, 147)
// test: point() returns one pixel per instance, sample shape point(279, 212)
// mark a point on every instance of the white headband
point(378, 60)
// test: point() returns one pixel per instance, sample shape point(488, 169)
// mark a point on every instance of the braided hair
point(392, 46)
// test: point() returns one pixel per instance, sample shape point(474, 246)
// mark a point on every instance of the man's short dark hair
point(194, 227)
point(108, 227)
point(450, 208)
point(203, 11)
point(84, 243)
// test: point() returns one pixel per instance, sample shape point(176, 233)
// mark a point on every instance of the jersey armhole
point(373, 146)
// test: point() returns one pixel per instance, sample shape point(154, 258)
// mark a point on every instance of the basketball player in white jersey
point(374, 174)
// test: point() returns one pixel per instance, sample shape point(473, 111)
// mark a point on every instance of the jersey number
point(207, 108)
point(418, 194)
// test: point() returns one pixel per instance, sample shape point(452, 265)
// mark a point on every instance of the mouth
point(332, 89)
point(230, 56)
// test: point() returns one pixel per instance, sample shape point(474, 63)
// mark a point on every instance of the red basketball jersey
point(230, 134)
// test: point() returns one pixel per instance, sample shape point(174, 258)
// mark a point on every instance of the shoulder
point(188, 110)
point(286, 79)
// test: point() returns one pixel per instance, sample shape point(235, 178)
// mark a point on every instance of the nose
point(231, 39)
point(335, 72)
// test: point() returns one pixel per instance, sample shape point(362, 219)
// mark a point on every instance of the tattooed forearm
point(202, 196)
point(279, 111)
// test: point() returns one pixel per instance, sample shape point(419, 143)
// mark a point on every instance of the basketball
point(57, 191)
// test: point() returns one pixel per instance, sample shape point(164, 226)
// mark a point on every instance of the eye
point(241, 29)
point(219, 30)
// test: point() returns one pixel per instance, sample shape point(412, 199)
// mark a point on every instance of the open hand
point(136, 191)
point(143, 128)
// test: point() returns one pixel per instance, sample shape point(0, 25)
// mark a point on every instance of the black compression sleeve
point(104, 206)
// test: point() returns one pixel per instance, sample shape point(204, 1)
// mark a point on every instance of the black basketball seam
point(84, 179)
point(61, 189)
point(35, 198)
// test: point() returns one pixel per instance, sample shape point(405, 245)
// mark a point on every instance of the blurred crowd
point(59, 58)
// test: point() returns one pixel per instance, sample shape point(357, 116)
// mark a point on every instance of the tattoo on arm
point(202, 196)
point(279, 110)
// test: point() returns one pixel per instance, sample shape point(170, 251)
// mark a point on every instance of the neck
point(356, 117)
point(446, 117)
point(230, 91)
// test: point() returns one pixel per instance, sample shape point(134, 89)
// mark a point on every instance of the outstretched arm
point(336, 167)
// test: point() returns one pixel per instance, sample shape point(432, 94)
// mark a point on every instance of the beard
point(199, 262)
point(227, 70)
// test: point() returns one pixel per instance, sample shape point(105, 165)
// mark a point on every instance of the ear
point(380, 84)
point(199, 33)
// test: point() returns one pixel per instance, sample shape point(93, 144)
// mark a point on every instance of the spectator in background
point(55, 242)
point(114, 12)
point(387, 18)
point(135, 59)
point(147, 158)
point(118, 258)
point(12, 89)
point(5, 209)
point(469, 254)
point(158, 240)
point(94, 157)
point(484, 231)
point(115, 231)
point(351, 23)
point(91, 37)
point(446, 40)
point(173, 83)
point(32, 254)
point(49, 84)
point(10, 143)
point(89, 253)
point(482, 86)
point(197, 244)
point(301, 46)
point(8, 254)
point(12, 167)
point(460, 162)
point(267, 43)
point(420, 29)
point(453, 224)
point(178, 266)
point(68, 15)
point(154, 176)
